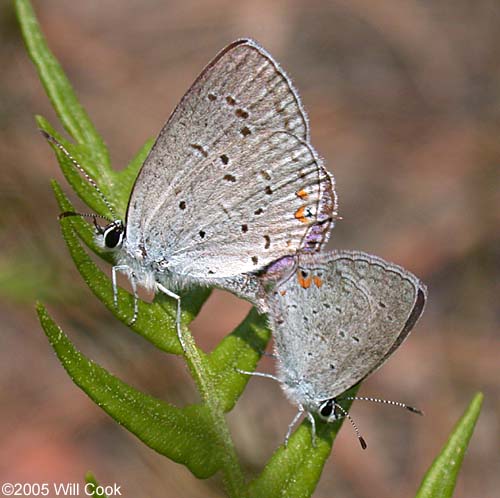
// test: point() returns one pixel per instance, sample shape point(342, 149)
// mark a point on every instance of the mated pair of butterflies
point(233, 195)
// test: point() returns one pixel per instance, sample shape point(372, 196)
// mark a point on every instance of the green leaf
point(58, 88)
point(94, 489)
point(241, 349)
point(440, 479)
point(126, 178)
point(296, 470)
point(86, 232)
point(184, 435)
point(87, 192)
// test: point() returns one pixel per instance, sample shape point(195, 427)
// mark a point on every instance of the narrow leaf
point(440, 479)
point(126, 178)
point(242, 350)
point(296, 469)
point(80, 185)
point(57, 86)
point(183, 435)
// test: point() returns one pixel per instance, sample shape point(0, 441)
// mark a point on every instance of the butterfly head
point(111, 236)
point(327, 410)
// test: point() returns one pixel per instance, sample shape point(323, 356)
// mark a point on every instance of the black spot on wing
point(241, 113)
point(200, 149)
point(245, 131)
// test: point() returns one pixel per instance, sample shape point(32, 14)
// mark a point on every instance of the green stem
point(233, 477)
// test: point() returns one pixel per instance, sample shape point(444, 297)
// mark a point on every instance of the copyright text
point(59, 489)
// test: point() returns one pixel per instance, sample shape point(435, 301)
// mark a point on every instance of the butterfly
point(231, 185)
point(336, 320)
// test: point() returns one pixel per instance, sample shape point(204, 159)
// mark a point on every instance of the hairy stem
point(234, 479)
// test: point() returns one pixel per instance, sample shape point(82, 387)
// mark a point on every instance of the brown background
point(403, 98)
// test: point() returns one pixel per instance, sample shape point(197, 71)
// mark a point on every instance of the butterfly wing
point(244, 218)
point(340, 319)
point(234, 152)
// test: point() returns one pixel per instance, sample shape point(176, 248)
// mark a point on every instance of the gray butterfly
point(230, 185)
point(335, 320)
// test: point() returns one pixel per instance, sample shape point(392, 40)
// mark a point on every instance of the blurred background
point(404, 102)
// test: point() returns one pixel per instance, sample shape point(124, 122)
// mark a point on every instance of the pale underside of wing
point(357, 310)
point(230, 155)
point(228, 220)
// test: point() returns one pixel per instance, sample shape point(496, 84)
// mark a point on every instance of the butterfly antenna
point(77, 165)
point(87, 215)
point(362, 442)
point(386, 402)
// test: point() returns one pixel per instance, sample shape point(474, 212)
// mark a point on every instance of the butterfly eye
point(113, 235)
point(326, 409)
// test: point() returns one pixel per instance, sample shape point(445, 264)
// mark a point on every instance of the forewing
point(238, 217)
point(341, 317)
point(240, 95)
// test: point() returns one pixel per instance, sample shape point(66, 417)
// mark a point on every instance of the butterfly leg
point(114, 270)
point(133, 283)
point(310, 416)
point(293, 423)
point(175, 296)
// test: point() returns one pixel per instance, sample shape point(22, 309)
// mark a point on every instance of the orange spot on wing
point(283, 292)
point(302, 194)
point(299, 214)
point(317, 281)
point(304, 282)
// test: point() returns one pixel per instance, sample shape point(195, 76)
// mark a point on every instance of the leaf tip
point(89, 477)
point(40, 309)
point(478, 399)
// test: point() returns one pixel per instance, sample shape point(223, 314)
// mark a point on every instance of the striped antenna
point(94, 217)
point(362, 442)
point(386, 402)
point(77, 165)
